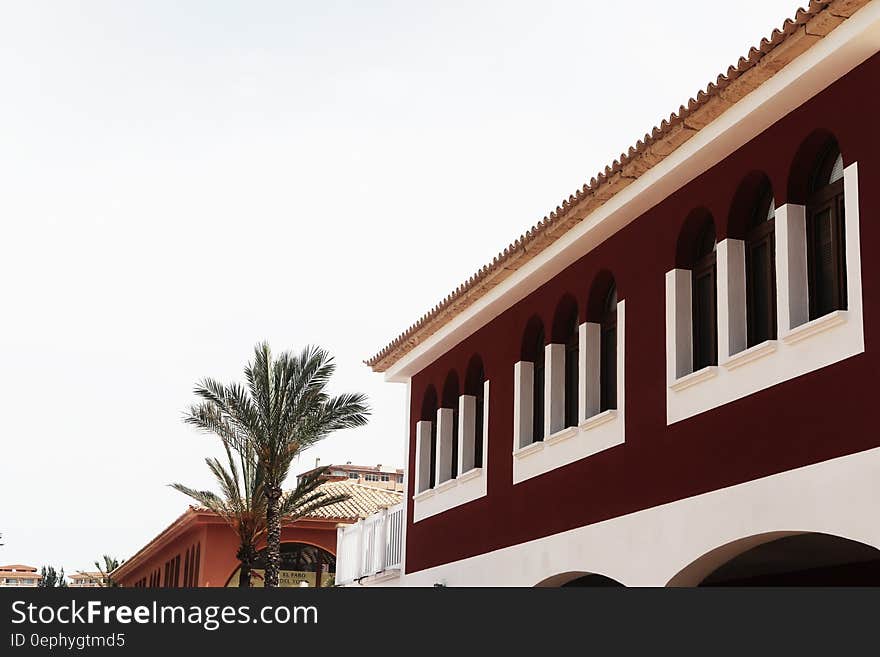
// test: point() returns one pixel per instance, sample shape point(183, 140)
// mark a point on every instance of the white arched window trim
point(803, 346)
point(471, 482)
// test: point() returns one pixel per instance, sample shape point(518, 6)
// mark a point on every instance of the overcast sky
point(179, 180)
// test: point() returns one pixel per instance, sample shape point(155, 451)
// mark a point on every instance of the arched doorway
point(301, 565)
point(786, 559)
point(578, 579)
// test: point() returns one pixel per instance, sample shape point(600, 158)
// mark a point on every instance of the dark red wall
point(783, 427)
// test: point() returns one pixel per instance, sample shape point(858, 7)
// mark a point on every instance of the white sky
point(179, 180)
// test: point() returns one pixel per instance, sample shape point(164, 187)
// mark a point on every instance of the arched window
point(761, 272)
point(565, 332)
point(608, 348)
point(571, 371)
point(474, 385)
point(752, 219)
point(450, 400)
point(538, 389)
point(601, 346)
point(533, 352)
point(826, 259)
point(703, 274)
point(429, 414)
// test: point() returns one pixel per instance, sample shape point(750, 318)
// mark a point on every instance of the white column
point(445, 418)
point(406, 475)
point(423, 456)
point(621, 357)
point(731, 267)
point(792, 288)
point(485, 437)
point(591, 356)
point(554, 388)
point(467, 427)
point(852, 240)
point(679, 330)
point(523, 394)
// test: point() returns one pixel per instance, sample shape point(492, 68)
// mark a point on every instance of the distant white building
point(84, 580)
point(368, 475)
point(18, 575)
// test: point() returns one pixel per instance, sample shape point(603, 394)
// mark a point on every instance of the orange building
point(198, 549)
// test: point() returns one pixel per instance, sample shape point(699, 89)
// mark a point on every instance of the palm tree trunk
point(273, 536)
point(247, 555)
point(244, 576)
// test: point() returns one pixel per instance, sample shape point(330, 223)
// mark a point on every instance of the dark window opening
point(761, 272)
point(538, 389)
point(450, 401)
point(454, 467)
point(479, 429)
point(474, 385)
point(705, 324)
point(571, 371)
point(429, 414)
point(826, 259)
point(432, 477)
point(608, 355)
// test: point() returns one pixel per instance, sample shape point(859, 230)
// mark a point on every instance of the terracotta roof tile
point(364, 500)
point(81, 574)
point(794, 37)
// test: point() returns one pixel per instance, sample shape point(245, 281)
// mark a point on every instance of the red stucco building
point(198, 549)
point(670, 380)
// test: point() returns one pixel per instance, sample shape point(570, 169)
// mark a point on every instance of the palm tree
point(283, 409)
point(239, 504)
point(51, 578)
point(242, 503)
point(110, 564)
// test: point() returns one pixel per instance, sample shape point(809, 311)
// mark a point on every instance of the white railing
point(370, 546)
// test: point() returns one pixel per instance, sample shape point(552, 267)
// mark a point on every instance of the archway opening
point(301, 565)
point(593, 580)
point(578, 579)
point(786, 559)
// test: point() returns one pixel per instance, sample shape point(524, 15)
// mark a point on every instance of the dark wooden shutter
point(432, 476)
point(454, 469)
point(704, 313)
point(826, 259)
point(478, 428)
point(538, 402)
point(761, 283)
point(571, 377)
point(538, 391)
point(608, 367)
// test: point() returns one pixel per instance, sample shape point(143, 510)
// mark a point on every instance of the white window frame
point(802, 346)
point(471, 482)
point(595, 432)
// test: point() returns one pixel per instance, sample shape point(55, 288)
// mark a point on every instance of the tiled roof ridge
point(648, 151)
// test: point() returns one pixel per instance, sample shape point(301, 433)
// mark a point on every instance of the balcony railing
point(370, 546)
